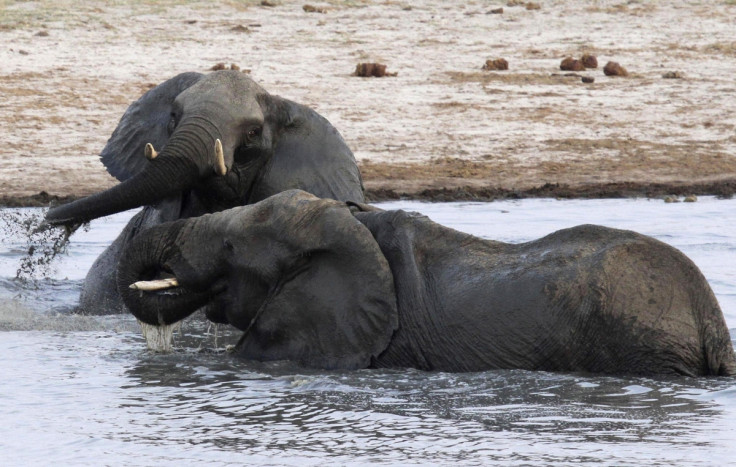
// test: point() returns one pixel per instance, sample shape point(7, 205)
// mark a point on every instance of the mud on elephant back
point(197, 144)
point(345, 285)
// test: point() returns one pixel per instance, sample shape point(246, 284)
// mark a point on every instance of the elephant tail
point(720, 359)
point(718, 348)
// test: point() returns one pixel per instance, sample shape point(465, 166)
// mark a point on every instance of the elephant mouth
point(165, 288)
point(157, 295)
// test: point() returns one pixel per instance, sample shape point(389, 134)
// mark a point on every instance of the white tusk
point(150, 286)
point(150, 152)
point(220, 167)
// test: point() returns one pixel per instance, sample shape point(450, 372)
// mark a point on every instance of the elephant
point(224, 142)
point(345, 285)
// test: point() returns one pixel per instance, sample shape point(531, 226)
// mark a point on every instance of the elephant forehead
point(290, 201)
point(231, 88)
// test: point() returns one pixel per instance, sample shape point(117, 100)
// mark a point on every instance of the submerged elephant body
point(588, 298)
point(335, 285)
point(197, 144)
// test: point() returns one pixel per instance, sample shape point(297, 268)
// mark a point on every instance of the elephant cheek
point(244, 298)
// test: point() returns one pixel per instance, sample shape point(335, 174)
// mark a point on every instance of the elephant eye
point(172, 124)
point(254, 132)
point(227, 244)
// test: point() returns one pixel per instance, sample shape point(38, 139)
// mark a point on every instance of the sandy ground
point(68, 70)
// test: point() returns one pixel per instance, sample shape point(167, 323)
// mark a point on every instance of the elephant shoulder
point(391, 224)
point(399, 233)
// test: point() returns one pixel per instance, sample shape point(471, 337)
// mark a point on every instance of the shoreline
point(724, 189)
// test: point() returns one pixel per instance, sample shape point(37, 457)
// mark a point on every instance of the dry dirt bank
point(442, 128)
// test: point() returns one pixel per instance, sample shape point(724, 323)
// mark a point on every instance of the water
point(85, 391)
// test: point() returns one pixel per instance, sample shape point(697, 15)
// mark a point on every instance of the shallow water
point(84, 390)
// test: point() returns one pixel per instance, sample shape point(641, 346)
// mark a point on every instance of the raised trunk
point(185, 160)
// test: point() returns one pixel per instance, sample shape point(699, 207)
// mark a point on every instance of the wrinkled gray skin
point(270, 145)
point(344, 285)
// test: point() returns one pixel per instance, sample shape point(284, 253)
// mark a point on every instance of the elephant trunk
point(189, 156)
point(148, 257)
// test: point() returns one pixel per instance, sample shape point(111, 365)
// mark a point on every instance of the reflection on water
point(83, 390)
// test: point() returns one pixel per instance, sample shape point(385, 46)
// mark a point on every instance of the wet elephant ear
point(308, 154)
point(145, 121)
point(340, 311)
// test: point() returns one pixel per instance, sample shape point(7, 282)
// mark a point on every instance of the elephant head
point(300, 275)
point(223, 138)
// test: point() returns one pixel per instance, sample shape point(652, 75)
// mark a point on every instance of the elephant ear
point(145, 121)
point(336, 308)
point(308, 154)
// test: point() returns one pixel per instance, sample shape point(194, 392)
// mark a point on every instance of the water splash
point(42, 244)
point(16, 315)
point(201, 336)
point(160, 338)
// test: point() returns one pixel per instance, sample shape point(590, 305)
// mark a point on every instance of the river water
point(80, 390)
